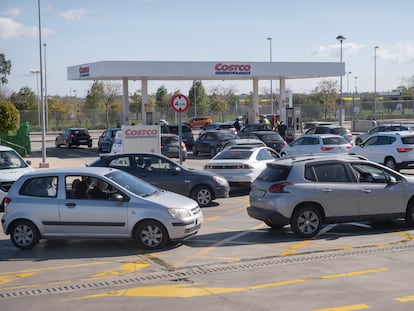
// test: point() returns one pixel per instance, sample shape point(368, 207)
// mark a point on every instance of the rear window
point(340, 131)
point(274, 173)
point(80, 132)
point(169, 139)
point(233, 154)
point(334, 141)
point(409, 140)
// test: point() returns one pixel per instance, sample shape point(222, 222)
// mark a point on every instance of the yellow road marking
point(8, 278)
point(125, 269)
point(405, 299)
point(189, 290)
point(296, 246)
point(346, 308)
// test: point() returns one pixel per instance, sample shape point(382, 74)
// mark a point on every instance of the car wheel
point(213, 151)
point(68, 145)
point(409, 214)
point(24, 234)
point(57, 145)
point(151, 234)
point(390, 162)
point(90, 145)
point(306, 221)
point(203, 195)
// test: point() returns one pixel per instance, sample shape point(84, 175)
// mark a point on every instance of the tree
point(9, 116)
point(25, 99)
point(198, 98)
point(95, 99)
point(218, 103)
point(111, 93)
point(326, 93)
point(5, 67)
point(162, 100)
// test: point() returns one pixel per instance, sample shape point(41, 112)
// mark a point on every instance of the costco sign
point(232, 69)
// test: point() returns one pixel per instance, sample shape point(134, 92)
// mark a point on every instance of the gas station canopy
point(192, 70)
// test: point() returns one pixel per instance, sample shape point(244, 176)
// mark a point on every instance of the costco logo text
point(232, 69)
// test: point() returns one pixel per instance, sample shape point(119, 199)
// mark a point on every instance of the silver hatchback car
point(309, 191)
point(95, 202)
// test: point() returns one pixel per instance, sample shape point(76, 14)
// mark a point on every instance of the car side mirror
point(392, 180)
point(117, 197)
point(177, 170)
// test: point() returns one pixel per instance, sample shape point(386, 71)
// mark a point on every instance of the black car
point(107, 138)
point(163, 172)
point(212, 142)
point(186, 133)
point(271, 139)
point(74, 136)
point(170, 146)
point(247, 129)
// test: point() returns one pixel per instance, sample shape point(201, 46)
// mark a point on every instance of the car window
point(266, 154)
point(334, 141)
point(40, 187)
point(339, 131)
point(234, 154)
point(10, 159)
point(120, 162)
point(409, 140)
point(330, 172)
point(275, 173)
point(367, 173)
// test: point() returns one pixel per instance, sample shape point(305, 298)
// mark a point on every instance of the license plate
point(173, 148)
point(83, 140)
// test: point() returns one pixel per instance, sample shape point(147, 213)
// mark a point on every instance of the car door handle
point(327, 190)
point(70, 205)
point(366, 190)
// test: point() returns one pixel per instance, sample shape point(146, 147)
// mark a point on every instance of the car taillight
point(6, 201)
point(280, 187)
point(244, 166)
point(404, 149)
point(326, 148)
point(348, 147)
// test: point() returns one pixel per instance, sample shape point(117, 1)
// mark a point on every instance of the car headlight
point(221, 180)
point(179, 213)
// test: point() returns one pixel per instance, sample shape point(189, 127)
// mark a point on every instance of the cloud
point(400, 53)
point(333, 50)
point(73, 15)
point(11, 29)
point(12, 12)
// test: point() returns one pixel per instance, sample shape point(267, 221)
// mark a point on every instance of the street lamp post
point(347, 81)
point(43, 164)
point(375, 82)
point(46, 103)
point(37, 72)
point(341, 39)
point(271, 82)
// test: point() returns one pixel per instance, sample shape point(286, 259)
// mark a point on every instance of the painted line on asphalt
point(346, 308)
point(198, 290)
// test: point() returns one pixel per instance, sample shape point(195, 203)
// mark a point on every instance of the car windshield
point(270, 137)
point(339, 131)
point(10, 159)
point(233, 154)
point(334, 141)
point(132, 183)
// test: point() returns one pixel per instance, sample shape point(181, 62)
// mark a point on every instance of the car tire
point(89, 145)
point(68, 145)
point(390, 162)
point(195, 152)
point(274, 226)
point(24, 234)
point(57, 145)
point(203, 195)
point(306, 221)
point(151, 234)
point(409, 214)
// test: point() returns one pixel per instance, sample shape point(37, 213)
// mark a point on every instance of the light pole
point(375, 82)
point(347, 81)
point(46, 104)
point(43, 164)
point(195, 98)
point(37, 72)
point(271, 83)
point(341, 39)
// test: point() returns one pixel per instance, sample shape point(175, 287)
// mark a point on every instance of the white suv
point(12, 166)
point(309, 191)
point(393, 149)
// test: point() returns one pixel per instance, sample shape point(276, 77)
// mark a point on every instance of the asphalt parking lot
point(233, 263)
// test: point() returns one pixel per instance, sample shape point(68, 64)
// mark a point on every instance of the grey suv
point(309, 191)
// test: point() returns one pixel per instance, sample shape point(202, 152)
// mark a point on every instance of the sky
point(83, 31)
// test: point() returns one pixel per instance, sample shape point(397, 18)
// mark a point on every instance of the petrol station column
point(144, 104)
point(282, 99)
point(125, 101)
point(254, 117)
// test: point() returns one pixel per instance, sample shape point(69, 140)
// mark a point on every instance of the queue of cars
point(353, 184)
